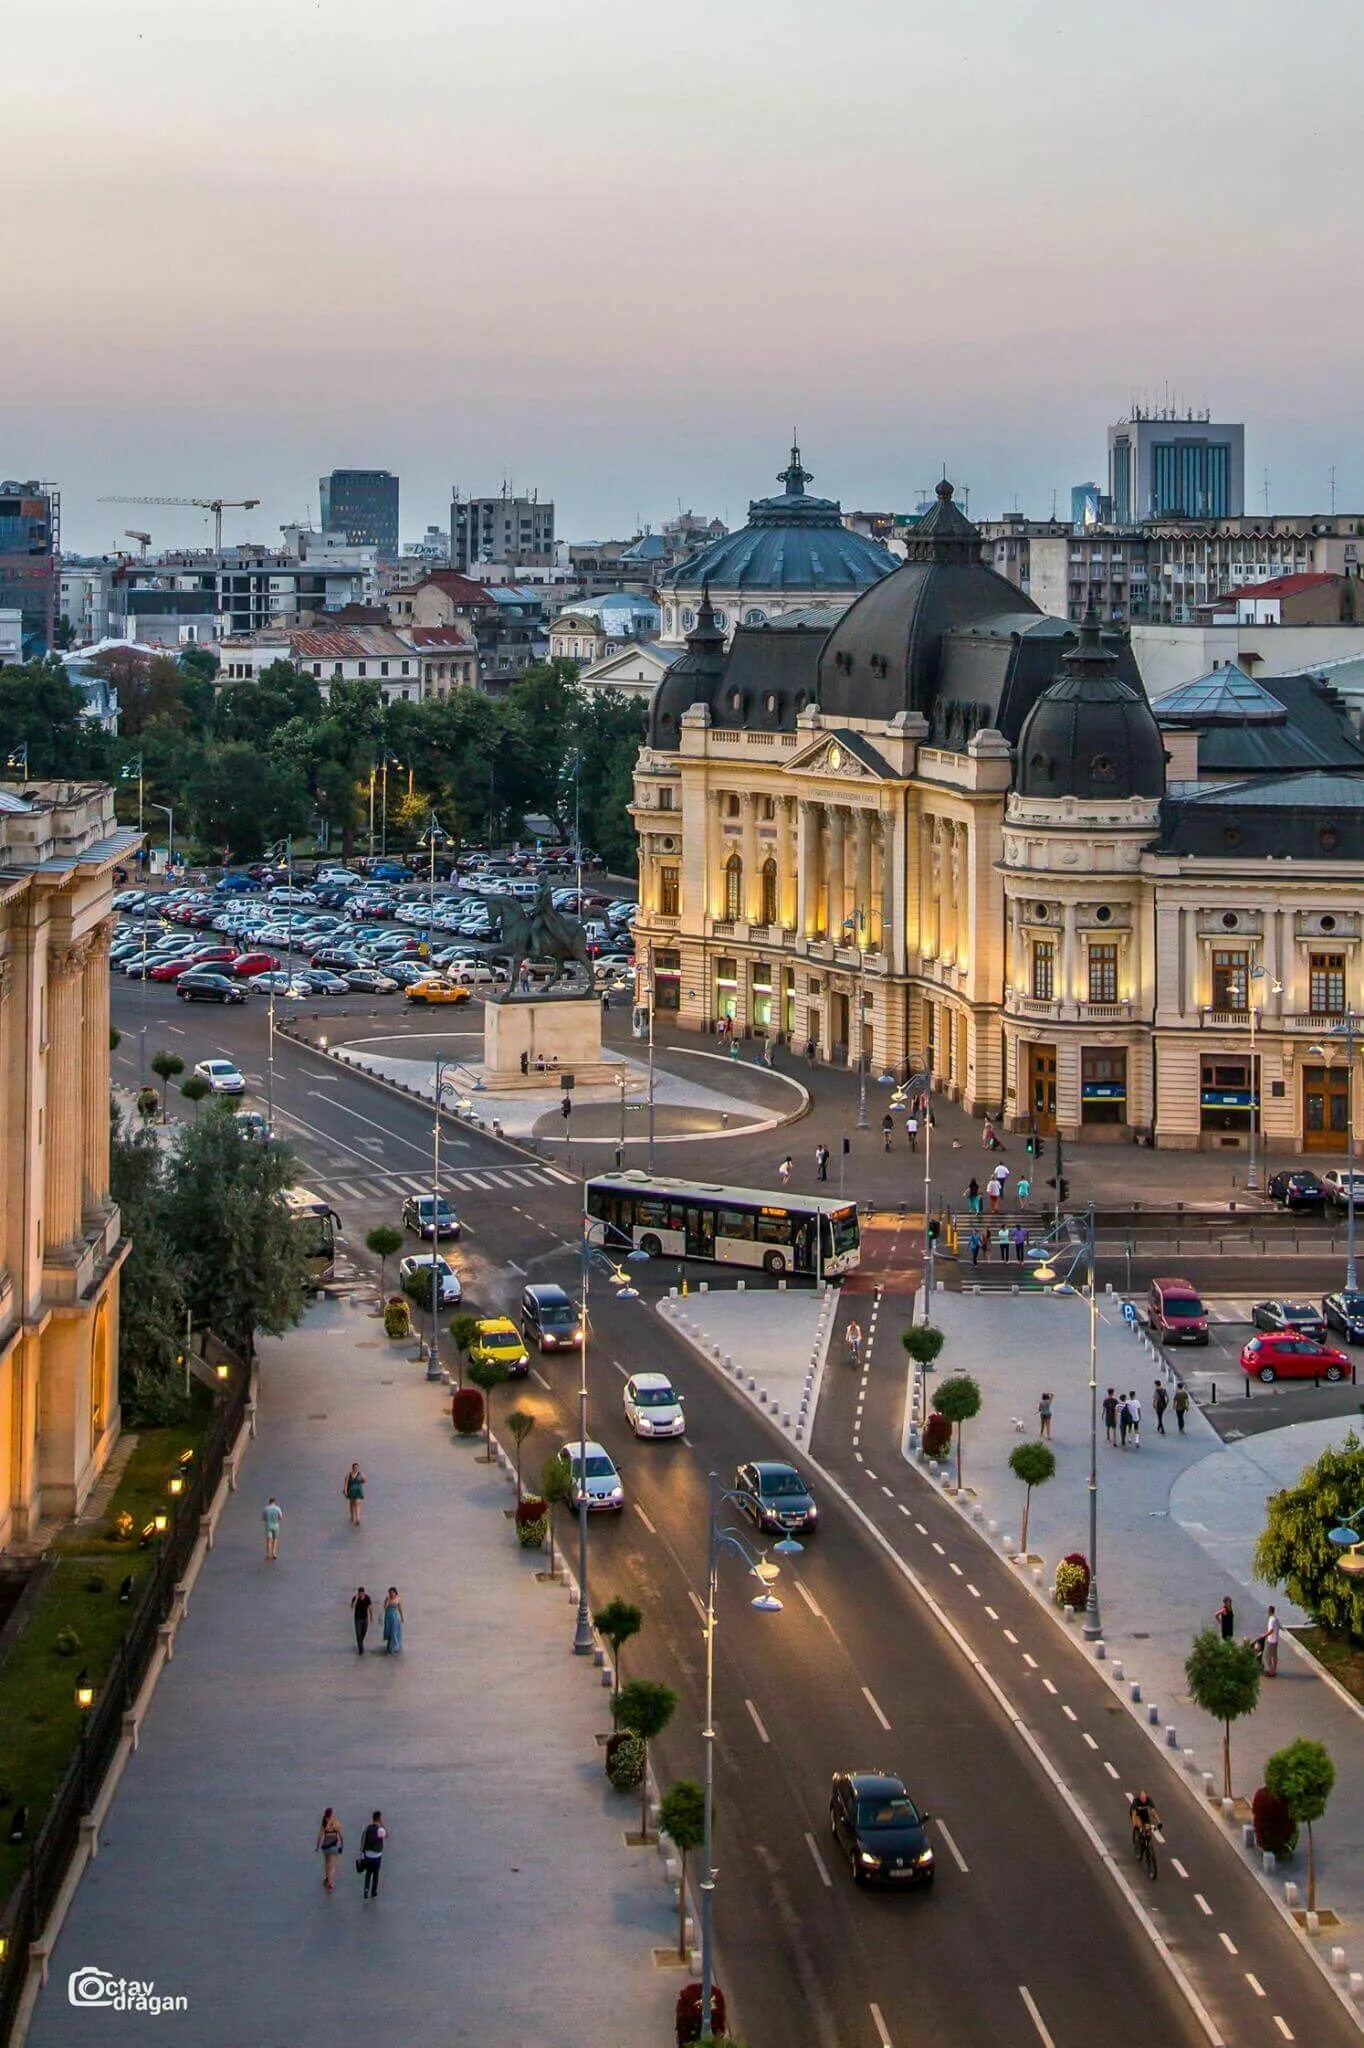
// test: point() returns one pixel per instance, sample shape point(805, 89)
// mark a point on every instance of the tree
point(152, 1304)
point(958, 1399)
point(520, 1422)
point(1302, 1775)
point(463, 1334)
point(682, 1818)
point(487, 1374)
point(1224, 1681)
point(617, 1622)
point(1295, 1550)
point(241, 799)
point(241, 1259)
point(556, 1488)
point(194, 1088)
point(41, 710)
point(1034, 1464)
point(382, 1242)
point(923, 1342)
point(643, 1708)
point(167, 1065)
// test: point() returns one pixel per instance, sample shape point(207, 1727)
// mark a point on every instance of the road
point(1026, 1937)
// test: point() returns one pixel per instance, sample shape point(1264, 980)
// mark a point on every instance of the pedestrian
point(330, 1842)
point(605, 1001)
point(525, 1063)
point(734, 1052)
point(887, 1131)
point(1181, 1405)
point(1269, 1645)
point(361, 1608)
point(1160, 1401)
point(973, 1195)
point(1124, 1423)
point(987, 1135)
point(821, 1162)
point(1002, 1240)
point(1134, 1418)
point(974, 1242)
point(1024, 1190)
point(1044, 1416)
point(912, 1131)
point(1225, 1617)
point(1020, 1238)
point(992, 1197)
point(809, 1052)
point(986, 1240)
point(1001, 1180)
point(767, 1052)
point(784, 1170)
point(272, 1515)
point(1110, 1409)
point(370, 1860)
point(393, 1622)
point(354, 1490)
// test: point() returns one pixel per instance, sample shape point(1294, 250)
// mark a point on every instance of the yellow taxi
point(433, 988)
point(499, 1342)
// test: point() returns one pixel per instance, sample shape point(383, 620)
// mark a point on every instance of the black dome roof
point(1090, 735)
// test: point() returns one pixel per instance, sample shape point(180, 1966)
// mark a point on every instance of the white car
point(222, 1076)
point(475, 973)
point(652, 1407)
point(1344, 1186)
point(414, 1277)
point(601, 1487)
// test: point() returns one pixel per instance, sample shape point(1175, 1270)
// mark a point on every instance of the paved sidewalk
point(773, 1342)
point(511, 1911)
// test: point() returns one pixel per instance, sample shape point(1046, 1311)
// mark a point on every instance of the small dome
point(1090, 735)
point(791, 542)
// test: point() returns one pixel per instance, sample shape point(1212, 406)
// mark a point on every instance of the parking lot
point(1236, 1404)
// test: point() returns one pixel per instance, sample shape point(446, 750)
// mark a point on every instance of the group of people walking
point(331, 1843)
point(1122, 1413)
point(1265, 1645)
point(1003, 1240)
point(994, 1191)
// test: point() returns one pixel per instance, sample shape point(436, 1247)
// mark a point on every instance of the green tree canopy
point(151, 1301)
point(1295, 1550)
point(618, 1621)
point(1224, 1681)
point(958, 1399)
point(1034, 1464)
point(41, 710)
point(923, 1342)
point(239, 1252)
point(1302, 1775)
point(644, 1708)
point(682, 1818)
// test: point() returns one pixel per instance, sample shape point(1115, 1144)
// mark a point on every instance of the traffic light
point(1062, 1189)
point(1032, 1145)
point(566, 1106)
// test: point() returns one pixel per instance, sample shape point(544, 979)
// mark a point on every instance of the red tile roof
point(438, 639)
point(460, 588)
point(1277, 586)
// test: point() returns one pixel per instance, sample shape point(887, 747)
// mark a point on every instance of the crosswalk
point(355, 1187)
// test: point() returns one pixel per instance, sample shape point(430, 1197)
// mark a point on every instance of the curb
point(795, 1423)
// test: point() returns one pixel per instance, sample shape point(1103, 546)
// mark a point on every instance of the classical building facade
point(951, 829)
point(60, 1241)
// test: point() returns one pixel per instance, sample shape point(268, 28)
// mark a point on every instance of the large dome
point(791, 542)
point(1090, 735)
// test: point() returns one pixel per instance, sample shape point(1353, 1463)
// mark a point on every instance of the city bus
point(316, 1223)
point(688, 1219)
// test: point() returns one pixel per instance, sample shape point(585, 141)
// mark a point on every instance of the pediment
point(842, 757)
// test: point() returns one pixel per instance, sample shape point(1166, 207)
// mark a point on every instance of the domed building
point(942, 827)
point(794, 555)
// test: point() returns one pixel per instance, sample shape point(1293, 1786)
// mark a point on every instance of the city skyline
point(974, 248)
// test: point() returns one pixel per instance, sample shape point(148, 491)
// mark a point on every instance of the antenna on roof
point(1053, 502)
point(1266, 494)
point(1333, 490)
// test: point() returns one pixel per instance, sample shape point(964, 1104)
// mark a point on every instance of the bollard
point(1117, 1671)
point(1100, 1649)
point(1228, 1809)
point(1247, 1834)
point(1152, 1714)
point(781, 1287)
point(1134, 1692)
point(1190, 1761)
point(740, 1286)
point(992, 1528)
point(1269, 1862)
point(1338, 1960)
point(786, 1419)
point(1207, 1785)
point(1290, 1893)
point(752, 1386)
point(1311, 1923)
point(1356, 1982)
point(729, 1363)
point(1171, 1739)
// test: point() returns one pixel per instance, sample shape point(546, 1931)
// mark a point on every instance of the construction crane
point(214, 505)
point(144, 540)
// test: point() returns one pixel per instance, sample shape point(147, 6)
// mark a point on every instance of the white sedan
point(222, 1076)
point(652, 1407)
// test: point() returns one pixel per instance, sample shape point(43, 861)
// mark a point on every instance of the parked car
point(418, 1215)
point(369, 981)
point(404, 973)
point(776, 1497)
point(320, 981)
point(340, 959)
point(222, 1076)
point(246, 965)
point(1344, 1187)
point(880, 1829)
point(432, 989)
point(1297, 1190)
point(391, 871)
point(414, 1277)
point(593, 1477)
point(170, 970)
point(280, 982)
point(498, 1342)
point(1290, 1315)
point(652, 1407)
point(251, 1123)
point(1175, 1313)
point(1293, 1358)
point(204, 985)
point(550, 1318)
point(1345, 1312)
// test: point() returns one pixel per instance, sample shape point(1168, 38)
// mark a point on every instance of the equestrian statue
point(537, 931)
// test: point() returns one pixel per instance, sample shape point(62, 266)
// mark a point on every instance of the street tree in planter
point(1302, 1775)
point(1224, 1682)
point(487, 1375)
point(556, 1487)
point(167, 1065)
point(1034, 1464)
point(617, 1622)
point(923, 1342)
point(682, 1818)
point(644, 1708)
point(194, 1088)
point(958, 1399)
point(520, 1422)
point(382, 1242)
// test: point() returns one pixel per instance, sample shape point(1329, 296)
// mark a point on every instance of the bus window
point(735, 1223)
point(847, 1236)
point(774, 1229)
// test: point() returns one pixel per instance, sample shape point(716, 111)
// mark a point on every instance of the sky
point(616, 252)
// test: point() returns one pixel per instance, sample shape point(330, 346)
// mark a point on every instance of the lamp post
point(434, 836)
point(583, 1645)
point(1253, 1164)
point(433, 1362)
point(169, 811)
point(719, 1539)
point(1046, 1275)
point(1349, 1030)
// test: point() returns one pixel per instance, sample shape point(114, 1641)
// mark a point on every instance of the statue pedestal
point(562, 1031)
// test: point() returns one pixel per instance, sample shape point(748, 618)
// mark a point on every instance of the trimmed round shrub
point(626, 1756)
point(937, 1435)
point(397, 1317)
point(532, 1522)
point(96, 1583)
point(687, 2014)
point(67, 1643)
point(1071, 1584)
point(1275, 1827)
point(466, 1411)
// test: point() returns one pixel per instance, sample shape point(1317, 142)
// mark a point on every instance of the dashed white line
point(757, 1721)
point(1109, 1768)
point(938, 1547)
point(952, 1566)
point(1202, 1904)
point(886, 1491)
point(903, 1509)
point(1228, 1944)
point(1178, 1867)
point(1010, 1637)
point(1031, 1662)
point(1283, 2027)
point(921, 1529)
point(857, 1454)
point(957, 1857)
point(1048, 1686)
point(1256, 1986)
point(810, 1602)
point(870, 1699)
point(882, 2036)
point(991, 1612)
point(1035, 2016)
point(1069, 1712)
point(1090, 1740)
point(870, 1473)
point(974, 1591)
point(645, 1519)
point(820, 1866)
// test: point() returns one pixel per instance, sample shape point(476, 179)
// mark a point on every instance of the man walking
point(1160, 1401)
point(822, 1162)
point(272, 1515)
point(1020, 1238)
point(973, 1243)
point(1124, 1423)
point(361, 1608)
point(1110, 1412)
point(1181, 1405)
point(1269, 1645)
point(1134, 1419)
point(372, 1853)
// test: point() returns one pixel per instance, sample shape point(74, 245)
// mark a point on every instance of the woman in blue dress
point(393, 1622)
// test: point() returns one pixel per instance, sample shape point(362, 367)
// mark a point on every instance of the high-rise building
point(30, 532)
point(363, 505)
point(1170, 465)
point(517, 531)
point(1090, 505)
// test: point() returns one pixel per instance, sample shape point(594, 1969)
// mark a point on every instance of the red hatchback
point(255, 963)
point(1288, 1357)
point(212, 956)
point(170, 970)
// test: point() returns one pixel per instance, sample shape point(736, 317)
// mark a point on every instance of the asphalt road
point(1025, 1937)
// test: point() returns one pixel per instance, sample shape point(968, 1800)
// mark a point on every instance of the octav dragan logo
point(90, 1987)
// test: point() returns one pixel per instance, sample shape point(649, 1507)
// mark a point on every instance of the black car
point(1297, 1190)
point(776, 1497)
point(1344, 1313)
point(417, 1215)
point(550, 1317)
point(202, 985)
point(881, 1830)
point(1290, 1315)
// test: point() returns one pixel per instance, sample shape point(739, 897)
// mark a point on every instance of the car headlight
point(869, 1861)
point(924, 1856)
point(812, 1514)
point(644, 1426)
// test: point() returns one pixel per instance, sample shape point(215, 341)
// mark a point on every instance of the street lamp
point(766, 1603)
point(169, 813)
point(1046, 1276)
point(583, 1645)
point(1349, 1030)
point(433, 1360)
point(85, 1699)
point(434, 836)
point(1253, 1166)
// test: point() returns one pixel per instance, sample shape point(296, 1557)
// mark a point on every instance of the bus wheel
point(774, 1262)
point(651, 1245)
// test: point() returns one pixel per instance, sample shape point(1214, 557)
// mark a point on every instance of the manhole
point(317, 1418)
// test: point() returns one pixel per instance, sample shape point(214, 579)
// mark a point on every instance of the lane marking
point(991, 1612)
point(813, 1847)
point(1069, 1712)
point(1228, 1944)
point(1256, 1986)
point(810, 1601)
point(882, 2036)
point(1010, 1637)
point(1283, 2027)
point(938, 1547)
point(952, 1566)
point(887, 1492)
point(903, 1509)
point(696, 1603)
point(1178, 1867)
point(1049, 1687)
point(620, 1368)
point(536, 1374)
point(1030, 1661)
point(645, 1519)
point(757, 1720)
point(921, 1529)
point(957, 1857)
point(1090, 1740)
point(870, 1473)
point(392, 1137)
point(1109, 1768)
point(1035, 2016)
point(870, 1699)
point(974, 1591)
point(1202, 1904)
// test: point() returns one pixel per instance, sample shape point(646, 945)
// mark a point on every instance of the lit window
point(1043, 969)
point(734, 887)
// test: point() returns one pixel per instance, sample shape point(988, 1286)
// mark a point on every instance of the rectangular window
point(1103, 1086)
point(665, 800)
point(1230, 977)
point(1225, 1095)
point(1103, 973)
point(1043, 969)
point(1326, 984)
point(669, 892)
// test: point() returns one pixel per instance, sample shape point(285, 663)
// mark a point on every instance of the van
point(550, 1319)
point(1175, 1313)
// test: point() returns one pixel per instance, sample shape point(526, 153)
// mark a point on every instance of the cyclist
point(853, 1338)
point(1142, 1810)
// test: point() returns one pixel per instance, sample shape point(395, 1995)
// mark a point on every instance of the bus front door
point(700, 1232)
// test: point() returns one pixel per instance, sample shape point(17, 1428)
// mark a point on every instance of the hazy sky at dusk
point(616, 250)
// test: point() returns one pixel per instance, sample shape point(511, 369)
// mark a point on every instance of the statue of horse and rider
point(538, 932)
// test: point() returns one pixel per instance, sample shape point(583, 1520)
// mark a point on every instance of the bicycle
point(1144, 1845)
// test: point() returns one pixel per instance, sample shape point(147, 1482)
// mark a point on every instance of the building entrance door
point(839, 1029)
point(1325, 1109)
point(1042, 1088)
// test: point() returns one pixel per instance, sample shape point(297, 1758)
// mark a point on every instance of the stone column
point(751, 894)
point(947, 889)
point(863, 904)
point(715, 855)
point(95, 1078)
point(838, 847)
point(808, 877)
point(63, 1095)
point(890, 889)
point(10, 1184)
point(1069, 959)
point(786, 865)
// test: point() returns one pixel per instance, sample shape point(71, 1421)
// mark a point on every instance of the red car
point(212, 956)
point(255, 963)
point(1285, 1356)
point(170, 970)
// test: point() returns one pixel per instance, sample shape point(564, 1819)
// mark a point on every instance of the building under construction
point(30, 536)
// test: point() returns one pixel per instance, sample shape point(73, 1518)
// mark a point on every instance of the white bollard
point(1290, 1893)
point(1228, 1809)
point(1171, 1739)
point(1312, 1923)
point(1207, 1784)
point(1117, 1671)
point(1190, 1761)
point(1356, 1982)
point(1152, 1715)
point(1269, 1862)
point(1247, 1834)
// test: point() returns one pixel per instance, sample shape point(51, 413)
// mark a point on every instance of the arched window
point(734, 888)
point(688, 619)
point(769, 882)
point(754, 617)
point(721, 618)
point(731, 804)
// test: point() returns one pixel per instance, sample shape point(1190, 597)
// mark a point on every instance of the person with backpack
point(1160, 1401)
point(369, 1862)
